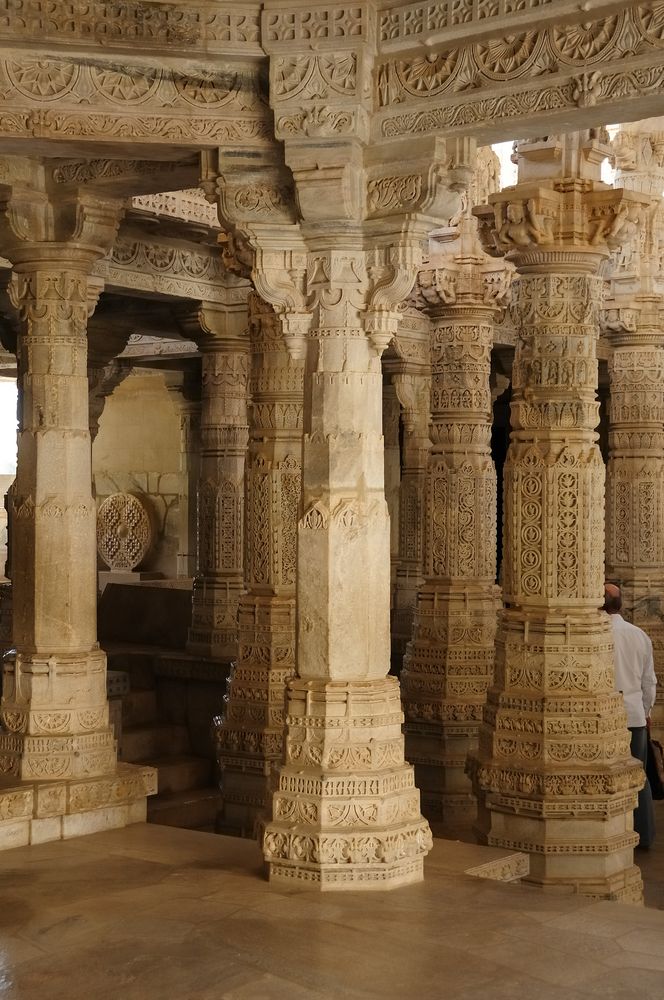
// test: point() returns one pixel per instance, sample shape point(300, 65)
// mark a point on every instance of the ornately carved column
point(634, 324)
point(553, 773)
point(346, 811)
point(413, 386)
point(224, 344)
point(392, 457)
point(250, 734)
point(449, 663)
point(185, 390)
point(54, 709)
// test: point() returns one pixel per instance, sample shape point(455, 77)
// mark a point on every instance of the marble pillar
point(250, 733)
point(413, 387)
point(392, 452)
point(54, 708)
point(345, 813)
point(633, 322)
point(553, 772)
point(224, 344)
point(449, 663)
point(185, 394)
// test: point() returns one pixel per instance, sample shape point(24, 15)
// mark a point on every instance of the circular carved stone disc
point(124, 531)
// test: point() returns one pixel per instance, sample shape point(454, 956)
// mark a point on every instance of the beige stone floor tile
point(153, 913)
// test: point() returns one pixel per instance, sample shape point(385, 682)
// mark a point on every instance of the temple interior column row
point(342, 446)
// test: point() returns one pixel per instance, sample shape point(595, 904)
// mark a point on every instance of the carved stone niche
point(125, 537)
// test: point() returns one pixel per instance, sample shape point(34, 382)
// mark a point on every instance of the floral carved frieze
point(168, 270)
point(77, 97)
point(596, 62)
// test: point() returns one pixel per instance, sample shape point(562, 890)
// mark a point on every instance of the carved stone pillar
point(224, 344)
point(392, 458)
point(553, 772)
point(633, 321)
point(185, 393)
point(54, 708)
point(345, 812)
point(449, 663)
point(250, 734)
point(413, 387)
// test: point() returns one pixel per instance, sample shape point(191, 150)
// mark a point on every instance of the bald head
point(612, 599)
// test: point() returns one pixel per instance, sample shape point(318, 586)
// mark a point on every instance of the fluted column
point(553, 772)
point(219, 582)
point(633, 321)
point(449, 663)
point(54, 708)
point(250, 733)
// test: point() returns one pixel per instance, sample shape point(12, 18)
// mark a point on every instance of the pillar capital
point(41, 227)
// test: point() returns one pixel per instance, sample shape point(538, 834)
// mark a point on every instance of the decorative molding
point(200, 29)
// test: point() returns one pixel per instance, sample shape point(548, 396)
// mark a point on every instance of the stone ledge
point(35, 813)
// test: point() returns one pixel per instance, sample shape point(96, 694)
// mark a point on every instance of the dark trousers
point(644, 814)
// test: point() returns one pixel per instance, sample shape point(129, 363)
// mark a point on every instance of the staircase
point(186, 792)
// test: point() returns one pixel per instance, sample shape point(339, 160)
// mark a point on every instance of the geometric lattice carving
point(124, 531)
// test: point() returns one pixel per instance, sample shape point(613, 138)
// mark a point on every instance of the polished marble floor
point(156, 912)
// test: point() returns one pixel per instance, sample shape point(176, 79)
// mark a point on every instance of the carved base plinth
point(250, 734)
point(553, 773)
point(34, 813)
point(346, 813)
point(214, 619)
point(43, 737)
point(447, 672)
point(439, 758)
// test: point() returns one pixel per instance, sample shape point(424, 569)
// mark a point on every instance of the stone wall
point(137, 451)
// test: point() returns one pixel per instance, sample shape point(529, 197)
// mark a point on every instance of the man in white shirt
point(636, 681)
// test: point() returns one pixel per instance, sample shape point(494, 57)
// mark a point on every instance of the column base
point(35, 813)
point(346, 812)
point(54, 717)
point(439, 758)
point(581, 840)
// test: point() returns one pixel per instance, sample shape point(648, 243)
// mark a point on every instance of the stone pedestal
point(553, 772)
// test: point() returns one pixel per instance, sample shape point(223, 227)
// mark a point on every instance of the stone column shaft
point(449, 663)
point(345, 812)
point(392, 452)
point(250, 736)
point(189, 412)
point(54, 694)
point(553, 772)
point(414, 392)
point(634, 325)
point(219, 581)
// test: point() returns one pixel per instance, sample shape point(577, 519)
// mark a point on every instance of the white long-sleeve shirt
point(635, 670)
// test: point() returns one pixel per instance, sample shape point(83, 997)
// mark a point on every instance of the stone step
point(455, 857)
point(140, 743)
point(194, 810)
point(182, 773)
point(139, 708)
